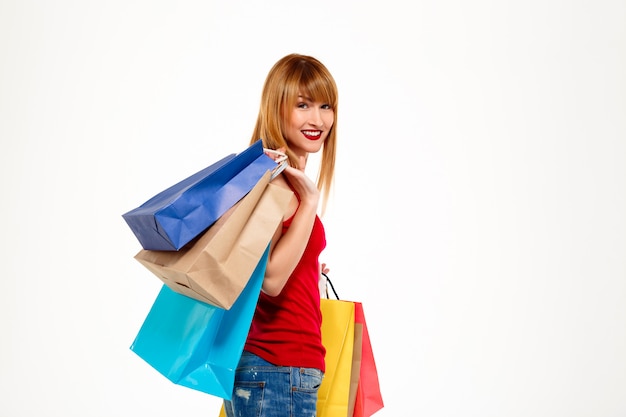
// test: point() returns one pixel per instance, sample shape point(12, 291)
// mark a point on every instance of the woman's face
point(307, 126)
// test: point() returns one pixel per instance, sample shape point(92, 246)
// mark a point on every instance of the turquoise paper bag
point(195, 344)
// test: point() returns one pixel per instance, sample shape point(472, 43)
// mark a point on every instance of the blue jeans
point(265, 390)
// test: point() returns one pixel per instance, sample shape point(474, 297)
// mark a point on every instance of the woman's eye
point(302, 105)
point(326, 107)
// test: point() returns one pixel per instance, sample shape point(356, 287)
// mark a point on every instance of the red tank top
point(286, 329)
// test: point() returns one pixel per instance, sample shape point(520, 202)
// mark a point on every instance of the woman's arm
point(286, 250)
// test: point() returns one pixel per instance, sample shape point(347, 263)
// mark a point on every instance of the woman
point(282, 365)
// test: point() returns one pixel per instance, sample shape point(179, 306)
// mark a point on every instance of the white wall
point(479, 212)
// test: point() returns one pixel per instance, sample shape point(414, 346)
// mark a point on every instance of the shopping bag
point(355, 372)
point(368, 399)
point(216, 267)
point(364, 394)
point(197, 345)
point(333, 396)
point(175, 216)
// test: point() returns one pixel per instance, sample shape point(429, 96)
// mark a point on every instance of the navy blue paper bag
point(175, 216)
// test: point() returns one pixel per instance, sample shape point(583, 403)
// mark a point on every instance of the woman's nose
point(316, 118)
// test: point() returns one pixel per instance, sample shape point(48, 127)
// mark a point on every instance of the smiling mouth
point(312, 134)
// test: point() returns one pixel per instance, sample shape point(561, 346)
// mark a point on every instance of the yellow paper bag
point(217, 266)
point(333, 397)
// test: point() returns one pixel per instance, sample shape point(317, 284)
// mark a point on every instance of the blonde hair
point(291, 75)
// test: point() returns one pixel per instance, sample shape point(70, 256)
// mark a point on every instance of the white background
point(479, 211)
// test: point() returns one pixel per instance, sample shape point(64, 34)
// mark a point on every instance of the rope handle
point(332, 287)
point(281, 160)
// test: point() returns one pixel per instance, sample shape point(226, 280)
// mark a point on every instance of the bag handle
point(280, 158)
point(332, 287)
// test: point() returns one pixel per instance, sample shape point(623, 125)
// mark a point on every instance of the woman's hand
point(277, 155)
point(303, 185)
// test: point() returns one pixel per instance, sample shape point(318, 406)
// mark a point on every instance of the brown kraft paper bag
point(216, 267)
